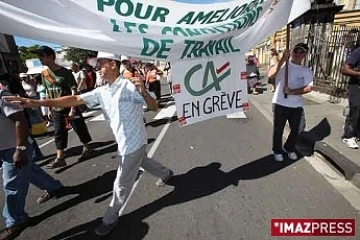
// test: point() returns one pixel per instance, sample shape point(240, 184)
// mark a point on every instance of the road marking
point(84, 115)
point(348, 190)
point(163, 131)
point(87, 114)
point(166, 112)
point(98, 118)
point(236, 115)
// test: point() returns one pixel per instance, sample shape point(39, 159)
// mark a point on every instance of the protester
point(352, 122)
point(18, 168)
point(168, 71)
point(80, 78)
point(300, 81)
point(274, 61)
point(59, 82)
point(121, 101)
point(152, 80)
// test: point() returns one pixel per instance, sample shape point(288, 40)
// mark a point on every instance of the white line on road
point(163, 131)
point(167, 112)
point(98, 118)
point(84, 115)
point(348, 190)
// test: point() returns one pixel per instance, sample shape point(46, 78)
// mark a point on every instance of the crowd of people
point(65, 92)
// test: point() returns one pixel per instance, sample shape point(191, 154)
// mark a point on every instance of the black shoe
point(13, 231)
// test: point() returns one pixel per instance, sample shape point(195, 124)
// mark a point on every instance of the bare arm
point(299, 91)
point(64, 102)
point(21, 128)
point(150, 102)
point(286, 56)
point(73, 93)
point(349, 71)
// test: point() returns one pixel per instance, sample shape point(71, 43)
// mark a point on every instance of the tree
point(78, 55)
point(25, 52)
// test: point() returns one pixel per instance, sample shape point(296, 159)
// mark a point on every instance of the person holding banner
point(290, 108)
point(124, 115)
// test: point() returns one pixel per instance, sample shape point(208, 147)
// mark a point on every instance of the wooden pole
point(287, 60)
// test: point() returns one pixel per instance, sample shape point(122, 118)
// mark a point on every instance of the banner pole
point(287, 60)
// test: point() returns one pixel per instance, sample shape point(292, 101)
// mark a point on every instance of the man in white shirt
point(290, 108)
point(121, 101)
point(80, 78)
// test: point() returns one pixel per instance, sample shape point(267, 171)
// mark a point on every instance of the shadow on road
point(316, 134)
point(197, 183)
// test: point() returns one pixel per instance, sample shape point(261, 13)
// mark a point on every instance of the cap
point(123, 58)
point(23, 75)
point(302, 46)
point(103, 55)
point(44, 49)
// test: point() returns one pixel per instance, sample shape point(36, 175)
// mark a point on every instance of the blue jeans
point(16, 185)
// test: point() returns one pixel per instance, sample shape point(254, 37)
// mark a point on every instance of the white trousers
point(126, 177)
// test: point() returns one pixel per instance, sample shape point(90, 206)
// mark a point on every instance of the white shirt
point(78, 77)
point(7, 126)
point(121, 104)
point(29, 89)
point(299, 77)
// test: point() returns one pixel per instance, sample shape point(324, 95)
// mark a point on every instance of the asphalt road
point(226, 185)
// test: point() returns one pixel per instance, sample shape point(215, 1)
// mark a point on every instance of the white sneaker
point(278, 157)
point(350, 143)
point(291, 155)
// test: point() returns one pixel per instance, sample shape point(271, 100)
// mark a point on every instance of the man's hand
point(288, 91)
point(286, 54)
point(20, 159)
point(139, 84)
point(24, 102)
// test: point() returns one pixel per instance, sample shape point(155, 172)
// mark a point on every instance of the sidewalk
point(324, 128)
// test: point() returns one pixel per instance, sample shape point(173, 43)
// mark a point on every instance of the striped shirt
point(121, 104)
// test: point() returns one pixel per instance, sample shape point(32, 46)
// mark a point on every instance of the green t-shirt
point(64, 83)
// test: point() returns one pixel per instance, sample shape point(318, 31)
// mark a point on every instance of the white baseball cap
point(123, 58)
point(23, 75)
point(103, 55)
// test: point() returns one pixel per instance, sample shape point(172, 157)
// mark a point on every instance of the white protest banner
point(156, 29)
point(205, 89)
point(199, 37)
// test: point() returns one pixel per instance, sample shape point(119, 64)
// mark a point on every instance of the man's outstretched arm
point(65, 102)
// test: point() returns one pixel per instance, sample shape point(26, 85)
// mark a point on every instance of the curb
point(350, 170)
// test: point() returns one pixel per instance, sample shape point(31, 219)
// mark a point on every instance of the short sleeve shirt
point(121, 105)
point(64, 83)
point(354, 84)
point(7, 126)
point(299, 77)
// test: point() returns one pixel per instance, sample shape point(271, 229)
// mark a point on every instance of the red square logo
point(182, 121)
point(243, 75)
point(246, 106)
point(177, 88)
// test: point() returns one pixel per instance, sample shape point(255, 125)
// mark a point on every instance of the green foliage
point(78, 55)
point(25, 52)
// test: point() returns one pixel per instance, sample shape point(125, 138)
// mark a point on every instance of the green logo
point(209, 69)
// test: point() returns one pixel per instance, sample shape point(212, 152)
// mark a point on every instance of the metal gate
point(330, 46)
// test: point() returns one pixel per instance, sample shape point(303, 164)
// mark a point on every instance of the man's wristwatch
point(21, 148)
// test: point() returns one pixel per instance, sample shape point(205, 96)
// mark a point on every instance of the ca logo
point(209, 69)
